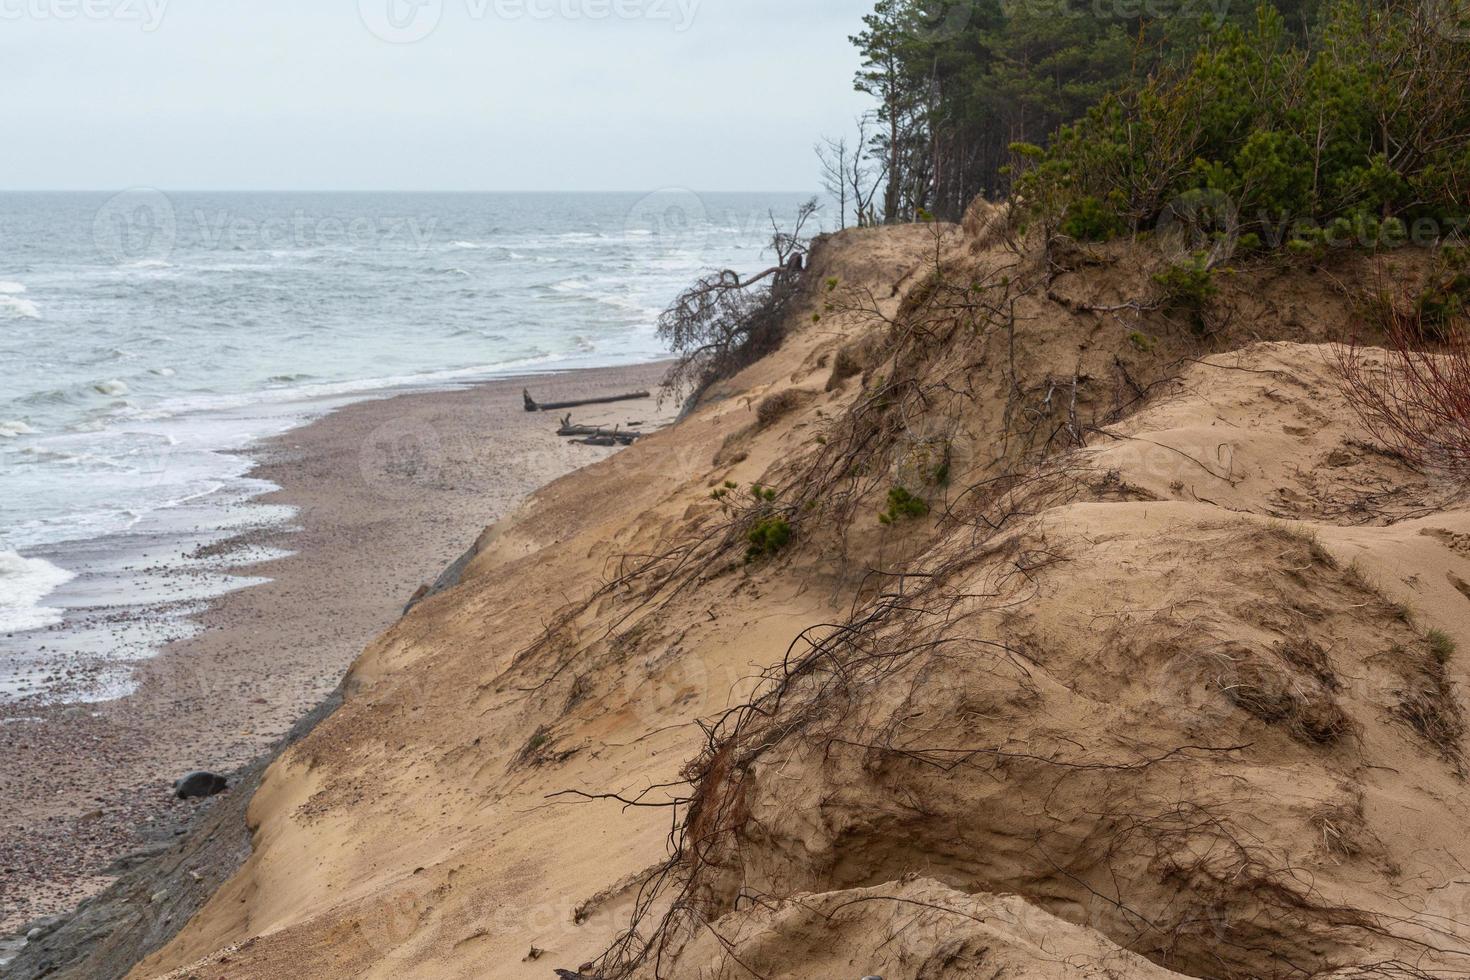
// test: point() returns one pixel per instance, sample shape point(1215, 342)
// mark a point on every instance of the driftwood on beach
point(534, 406)
point(597, 436)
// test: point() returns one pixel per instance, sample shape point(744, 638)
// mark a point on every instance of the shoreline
point(386, 493)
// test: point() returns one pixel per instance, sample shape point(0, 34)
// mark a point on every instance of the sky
point(572, 95)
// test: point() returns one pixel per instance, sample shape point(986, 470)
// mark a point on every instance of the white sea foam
point(11, 288)
point(13, 307)
point(111, 388)
point(15, 427)
point(24, 582)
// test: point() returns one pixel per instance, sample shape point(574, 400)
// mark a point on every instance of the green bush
point(903, 505)
point(1188, 287)
point(1090, 220)
point(767, 537)
point(1313, 145)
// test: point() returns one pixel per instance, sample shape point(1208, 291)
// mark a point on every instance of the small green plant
point(1142, 342)
point(1188, 286)
point(759, 492)
point(1443, 300)
point(1090, 220)
point(1441, 645)
point(903, 505)
point(767, 537)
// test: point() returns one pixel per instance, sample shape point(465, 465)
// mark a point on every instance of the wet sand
point(415, 476)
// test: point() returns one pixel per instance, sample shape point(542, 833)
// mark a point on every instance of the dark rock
point(197, 785)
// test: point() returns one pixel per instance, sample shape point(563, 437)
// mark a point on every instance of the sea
point(148, 337)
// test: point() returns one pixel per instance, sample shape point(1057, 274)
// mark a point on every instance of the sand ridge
point(1162, 700)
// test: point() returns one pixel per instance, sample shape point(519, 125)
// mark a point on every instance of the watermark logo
point(401, 457)
point(401, 21)
point(669, 223)
point(227, 230)
point(409, 21)
point(1201, 220)
point(145, 225)
point(137, 225)
point(942, 20)
point(147, 14)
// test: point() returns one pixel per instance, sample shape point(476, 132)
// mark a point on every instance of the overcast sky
point(422, 94)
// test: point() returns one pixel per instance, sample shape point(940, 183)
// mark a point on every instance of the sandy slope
point(1164, 704)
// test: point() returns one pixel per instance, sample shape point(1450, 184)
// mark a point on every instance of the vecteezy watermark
point(674, 221)
point(1210, 222)
point(402, 458)
point(138, 224)
point(408, 21)
point(148, 14)
point(942, 20)
point(144, 224)
point(1202, 220)
point(301, 229)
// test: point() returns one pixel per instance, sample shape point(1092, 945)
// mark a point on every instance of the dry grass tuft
point(851, 360)
point(1431, 710)
point(1441, 646)
point(1340, 826)
point(1309, 657)
point(1278, 696)
point(773, 408)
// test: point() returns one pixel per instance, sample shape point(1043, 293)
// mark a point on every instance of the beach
point(384, 495)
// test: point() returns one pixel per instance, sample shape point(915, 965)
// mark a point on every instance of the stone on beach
point(199, 785)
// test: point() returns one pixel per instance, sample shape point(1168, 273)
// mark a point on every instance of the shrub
point(1188, 287)
point(1415, 401)
point(1353, 139)
point(1447, 296)
point(903, 505)
point(767, 537)
point(1090, 220)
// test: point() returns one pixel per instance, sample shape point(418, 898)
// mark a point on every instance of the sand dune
point(1151, 689)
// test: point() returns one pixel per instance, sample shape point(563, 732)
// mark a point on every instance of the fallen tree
point(725, 321)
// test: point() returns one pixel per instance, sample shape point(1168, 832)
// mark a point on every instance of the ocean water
point(145, 336)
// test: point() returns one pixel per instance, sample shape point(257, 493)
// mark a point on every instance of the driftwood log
point(534, 406)
point(595, 436)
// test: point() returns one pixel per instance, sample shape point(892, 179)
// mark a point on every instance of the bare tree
point(861, 180)
point(832, 155)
